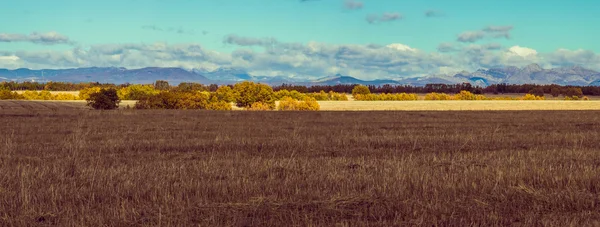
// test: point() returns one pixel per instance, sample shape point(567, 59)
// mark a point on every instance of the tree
point(162, 85)
point(248, 93)
point(574, 92)
point(360, 90)
point(555, 91)
point(225, 93)
point(538, 91)
point(105, 99)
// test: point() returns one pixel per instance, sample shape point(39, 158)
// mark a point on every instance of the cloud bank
point(271, 57)
point(48, 38)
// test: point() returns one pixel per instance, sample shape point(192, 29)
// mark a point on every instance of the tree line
point(503, 88)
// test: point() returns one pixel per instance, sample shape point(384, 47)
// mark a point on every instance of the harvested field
point(241, 168)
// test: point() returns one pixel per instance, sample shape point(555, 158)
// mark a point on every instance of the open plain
point(80, 167)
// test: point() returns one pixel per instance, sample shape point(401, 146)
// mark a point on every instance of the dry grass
point(460, 105)
point(186, 168)
point(75, 93)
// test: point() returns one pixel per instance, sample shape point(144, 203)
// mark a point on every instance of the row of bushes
point(35, 95)
point(465, 95)
point(320, 96)
point(183, 100)
point(386, 97)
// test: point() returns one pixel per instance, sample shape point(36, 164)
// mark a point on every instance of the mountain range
point(530, 74)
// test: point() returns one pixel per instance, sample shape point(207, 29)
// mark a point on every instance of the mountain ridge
point(530, 74)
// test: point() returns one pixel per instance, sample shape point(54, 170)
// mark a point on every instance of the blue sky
point(362, 38)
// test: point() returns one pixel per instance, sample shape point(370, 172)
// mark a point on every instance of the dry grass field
point(459, 105)
point(359, 105)
point(238, 168)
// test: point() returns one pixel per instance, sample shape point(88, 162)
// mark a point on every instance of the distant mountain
point(105, 75)
point(530, 74)
point(340, 79)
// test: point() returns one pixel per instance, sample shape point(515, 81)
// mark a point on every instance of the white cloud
point(401, 47)
point(48, 38)
point(522, 51)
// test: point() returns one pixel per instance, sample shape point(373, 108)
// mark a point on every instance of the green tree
point(555, 91)
point(574, 92)
point(225, 93)
point(538, 91)
point(248, 93)
point(360, 90)
point(162, 85)
point(105, 99)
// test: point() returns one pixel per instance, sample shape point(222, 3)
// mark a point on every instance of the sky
point(366, 39)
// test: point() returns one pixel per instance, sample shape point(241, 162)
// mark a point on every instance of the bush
point(137, 92)
point(307, 104)
point(437, 96)
point(360, 90)
point(585, 98)
point(260, 106)
point(386, 97)
point(247, 93)
point(174, 100)
point(532, 97)
point(7, 94)
point(465, 95)
point(105, 99)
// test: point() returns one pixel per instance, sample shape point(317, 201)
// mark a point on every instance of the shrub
point(219, 105)
point(247, 93)
point(105, 99)
point(136, 92)
point(260, 106)
point(571, 98)
point(7, 94)
point(387, 97)
point(174, 100)
point(585, 98)
point(307, 104)
point(334, 96)
point(285, 93)
point(34, 95)
point(465, 95)
point(360, 90)
point(64, 96)
point(437, 96)
point(532, 97)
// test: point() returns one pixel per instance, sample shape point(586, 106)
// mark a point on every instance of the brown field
point(238, 168)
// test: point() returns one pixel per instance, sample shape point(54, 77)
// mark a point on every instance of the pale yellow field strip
point(75, 93)
point(459, 105)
